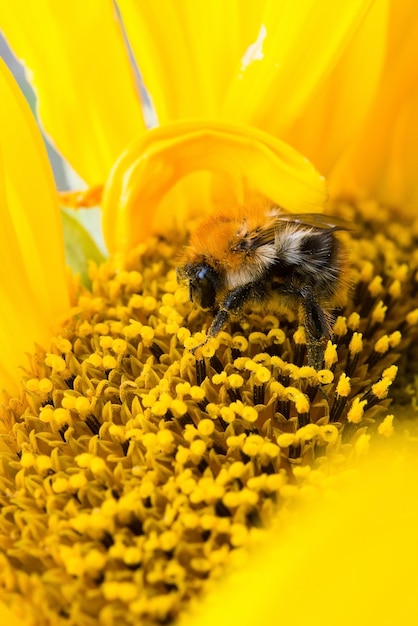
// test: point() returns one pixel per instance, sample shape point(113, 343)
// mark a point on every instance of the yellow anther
point(380, 389)
point(43, 463)
point(82, 406)
point(95, 360)
point(395, 339)
point(158, 408)
point(325, 377)
point(132, 330)
point(401, 272)
point(213, 410)
point(237, 469)
point(85, 329)
point(183, 334)
point(262, 375)
point(386, 428)
point(366, 272)
point(149, 303)
point(379, 313)
point(412, 318)
point(236, 441)
point(343, 386)
point(109, 362)
point(60, 485)
point(147, 334)
point(83, 460)
point(270, 449)
point(219, 379)
point(178, 408)
point(395, 289)
point(390, 372)
point(356, 344)
point(240, 343)
point(356, 411)
point(197, 448)
point(308, 432)
point(286, 440)
point(136, 301)
point(300, 400)
point(382, 345)
point(235, 381)
point(249, 414)
point(27, 460)
point(197, 393)
point(55, 362)
point(119, 346)
point(182, 455)
point(105, 342)
point(375, 286)
point(45, 385)
point(63, 345)
point(329, 433)
point(32, 384)
point(77, 481)
point(206, 427)
point(340, 326)
point(98, 465)
point(257, 338)
point(101, 329)
point(228, 414)
point(353, 321)
point(168, 540)
point(330, 355)
point(61, 416)
point(276, 335)
point(299, 336)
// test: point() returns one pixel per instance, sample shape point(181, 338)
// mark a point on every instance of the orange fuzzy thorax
point(217, 238)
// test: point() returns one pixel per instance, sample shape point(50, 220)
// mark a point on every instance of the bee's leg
point(232, 303)
point(317, 324)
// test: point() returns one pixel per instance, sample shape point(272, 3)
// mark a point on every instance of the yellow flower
point(134, 474)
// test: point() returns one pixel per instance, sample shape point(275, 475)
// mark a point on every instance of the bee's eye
point(203, 287)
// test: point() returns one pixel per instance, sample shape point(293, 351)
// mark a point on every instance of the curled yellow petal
point(88, 99)
point(34, 291)
point(157, 183)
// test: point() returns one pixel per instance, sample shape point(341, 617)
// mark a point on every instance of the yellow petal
point(188, 51)
point(383, 155)
point(297, 45)
point(240, 160)
point(349, 558)
point(88, 100)
point(32, 272)
point(340, 104)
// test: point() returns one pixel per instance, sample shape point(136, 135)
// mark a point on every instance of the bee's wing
point(316, 220)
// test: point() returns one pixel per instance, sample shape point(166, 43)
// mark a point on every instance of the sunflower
point(139, 477)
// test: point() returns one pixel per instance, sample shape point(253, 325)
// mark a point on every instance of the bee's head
point(204, 283)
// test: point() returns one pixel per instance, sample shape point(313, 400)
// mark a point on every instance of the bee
point(263, 255)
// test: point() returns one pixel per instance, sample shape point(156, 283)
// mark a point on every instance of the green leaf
point(80, 247)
